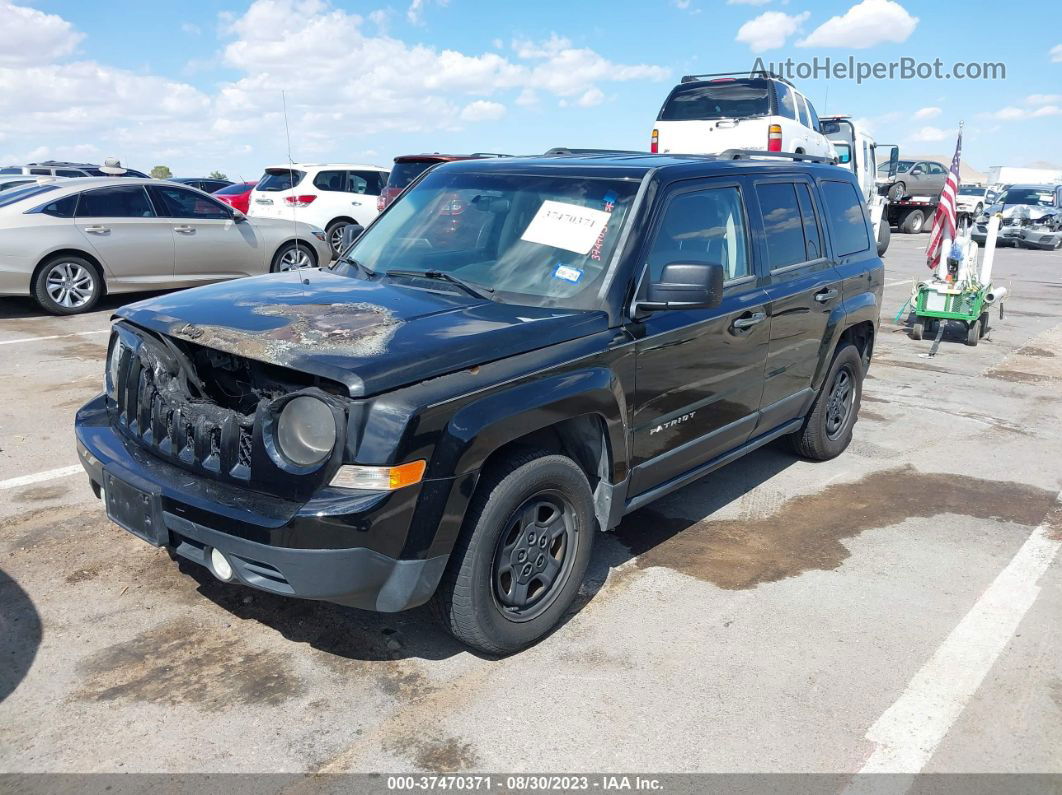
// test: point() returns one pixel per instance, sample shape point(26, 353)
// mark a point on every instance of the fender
point(857, 308)
point(483, 426)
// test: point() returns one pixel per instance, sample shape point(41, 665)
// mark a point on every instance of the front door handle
point(748, 321)
point(185, 230)
point(97, 230)
point(822, 296)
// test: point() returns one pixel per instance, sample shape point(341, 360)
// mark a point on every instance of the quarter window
point(815, 123)
point(365, 182)
point(331, 181)
point(705, 226)
point(181, 203)
point(68, 172)
point(61, 208)
point(802, 109)
point(116, 202)
point(848, 223)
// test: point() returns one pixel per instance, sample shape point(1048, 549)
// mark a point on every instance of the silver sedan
point(67, 243)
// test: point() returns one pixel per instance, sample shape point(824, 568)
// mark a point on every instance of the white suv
point(708, 114)
point(328, 195)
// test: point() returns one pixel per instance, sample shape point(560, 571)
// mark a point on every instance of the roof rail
point(489, 154)
point(564, 150)
point(748, 154)
point(762, 73)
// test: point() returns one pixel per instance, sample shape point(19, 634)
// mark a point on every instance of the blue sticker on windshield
point(609, 199)
point(567, 273)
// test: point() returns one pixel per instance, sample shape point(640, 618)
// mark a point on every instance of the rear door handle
point(749, 321)
point(97, 230)
point(822, 296)
point(186, 230)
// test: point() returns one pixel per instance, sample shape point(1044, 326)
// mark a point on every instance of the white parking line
point(901, 281)
point(54, 337)
point(908, 733)
point(37, 477)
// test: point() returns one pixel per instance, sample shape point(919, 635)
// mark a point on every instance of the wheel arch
point(70, 252)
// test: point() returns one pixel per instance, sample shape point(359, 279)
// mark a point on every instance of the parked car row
point(67, 242)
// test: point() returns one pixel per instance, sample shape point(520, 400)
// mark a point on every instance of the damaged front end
point(217, 414)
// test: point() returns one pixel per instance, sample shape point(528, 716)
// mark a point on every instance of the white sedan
point(66, 243)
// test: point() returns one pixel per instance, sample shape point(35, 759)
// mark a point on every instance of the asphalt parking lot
point(884, 608)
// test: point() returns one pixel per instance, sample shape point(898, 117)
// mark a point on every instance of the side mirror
point(351, 232)
point(238, 216)
point(686, 285)
point(916, 171)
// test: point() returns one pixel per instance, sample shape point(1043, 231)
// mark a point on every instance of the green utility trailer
point(937, 302)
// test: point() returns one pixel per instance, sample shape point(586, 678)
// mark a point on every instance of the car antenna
point(291, 182)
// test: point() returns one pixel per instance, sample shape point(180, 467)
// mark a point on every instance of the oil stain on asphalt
point(438, 754)
point(178, 662)
point(806, 533)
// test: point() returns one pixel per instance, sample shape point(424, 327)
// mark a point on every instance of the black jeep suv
point(512, 356)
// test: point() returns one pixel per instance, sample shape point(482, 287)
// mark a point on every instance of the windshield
point(732, 99)
point(972, 190)
point(534, 239)
point(1035, 196)
point(405, 172)
point(280, 179)
point(13, 195)
point(902, 166)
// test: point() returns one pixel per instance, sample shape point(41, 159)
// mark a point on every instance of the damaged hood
point(1033, 212)
point(371, 336)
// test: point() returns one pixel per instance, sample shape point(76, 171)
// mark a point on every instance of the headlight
point(306, 431)
point(110, 376)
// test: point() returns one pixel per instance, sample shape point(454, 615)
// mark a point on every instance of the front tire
point(827, 429)
point(884, 236)
point(973, 332)
point(897, 190)
point(293, 256)
point(68, 285)
point(522, 553)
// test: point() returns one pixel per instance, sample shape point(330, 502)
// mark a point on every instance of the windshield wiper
point(480, 291)
point(351, 261)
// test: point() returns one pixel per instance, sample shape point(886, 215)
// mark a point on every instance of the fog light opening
point(220, 566)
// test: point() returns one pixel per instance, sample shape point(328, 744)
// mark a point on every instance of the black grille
point(199, 435)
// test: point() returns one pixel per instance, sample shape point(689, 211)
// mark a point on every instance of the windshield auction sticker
point(566, 226)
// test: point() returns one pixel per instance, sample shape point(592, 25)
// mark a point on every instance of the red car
point(237, 195)
point(408, 167)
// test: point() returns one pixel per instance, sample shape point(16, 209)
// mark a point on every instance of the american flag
point(944, 217)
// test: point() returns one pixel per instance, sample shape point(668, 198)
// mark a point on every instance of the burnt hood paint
point(369, 335)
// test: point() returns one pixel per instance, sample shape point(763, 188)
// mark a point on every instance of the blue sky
point(197, 85)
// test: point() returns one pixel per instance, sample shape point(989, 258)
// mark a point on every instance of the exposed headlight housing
point(110, 375)
point(353, 476)
point(319, 234)
point(306, 431)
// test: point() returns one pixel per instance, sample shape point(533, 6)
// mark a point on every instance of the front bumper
point(1040, 238)
point(321, 549)
point(1008, 235)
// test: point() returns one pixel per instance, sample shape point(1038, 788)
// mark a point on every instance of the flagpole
point(945, 242)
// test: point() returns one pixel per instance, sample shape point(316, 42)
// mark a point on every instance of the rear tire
point(973, 332)
point(494, 596)
point(67, 285)
point(918, 330)
point(334, 233)
point(292, 256)
point(984, 323)
point(828, 427)
point(913, 222)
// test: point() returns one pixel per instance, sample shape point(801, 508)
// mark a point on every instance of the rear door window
point(116, 202)
point(181, 203)
point(782, 224)
point(725, 99)
point(847, 221)
point(68, 172)
point(802, 110)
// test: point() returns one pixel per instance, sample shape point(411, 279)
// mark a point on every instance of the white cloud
point(1012, 113)
point(1056, 54)
point(482, 110)
point(928, 134)
point(864, 25)
point(306, 48)
point(191, 28)
point(415, 12)
point(33, 37)
point(770, 30)
point(1043, 99)
point(592, 96)
point(927, 113)
point(682, 5)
